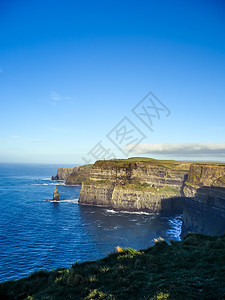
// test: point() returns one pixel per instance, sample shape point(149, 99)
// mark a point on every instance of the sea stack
point(56, 194)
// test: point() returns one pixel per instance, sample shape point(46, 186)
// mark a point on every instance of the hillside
point(191, 269)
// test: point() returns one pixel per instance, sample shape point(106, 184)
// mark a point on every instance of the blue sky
point(70, 71)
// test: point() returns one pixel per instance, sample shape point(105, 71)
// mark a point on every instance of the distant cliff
point(73, 175)
point(136, 184)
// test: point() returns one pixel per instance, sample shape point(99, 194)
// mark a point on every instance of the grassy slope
point(191, 269)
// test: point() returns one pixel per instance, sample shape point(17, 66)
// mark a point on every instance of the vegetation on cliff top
point(191, 269)
point(171, 164)
point(149, 188)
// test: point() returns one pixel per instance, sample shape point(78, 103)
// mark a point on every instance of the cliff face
point(153, 172)
point(206, 185)
point(79, 175)
point(151, 185)
point(200, 175)
point(204, 210)
point(73, 175)
point(63, 173)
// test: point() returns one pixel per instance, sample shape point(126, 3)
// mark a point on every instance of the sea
point(36, 233)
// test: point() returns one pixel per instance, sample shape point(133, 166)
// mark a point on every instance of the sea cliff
point(136, 184)
point(157, 186)
point(73, 175)
point(204, 209)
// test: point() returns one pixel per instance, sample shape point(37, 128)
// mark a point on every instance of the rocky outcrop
point(136, 185)
point(73, 175)
point(56, 194)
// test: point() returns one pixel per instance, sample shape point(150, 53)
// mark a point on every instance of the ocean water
point(39, 234)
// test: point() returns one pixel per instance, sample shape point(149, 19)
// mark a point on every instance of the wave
point(73, 185)
point(128, 212)
point(52, 183)
point(176, 224)
point(64, 201)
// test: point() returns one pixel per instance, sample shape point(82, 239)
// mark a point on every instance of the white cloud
point(180, 148)
point(57, 97)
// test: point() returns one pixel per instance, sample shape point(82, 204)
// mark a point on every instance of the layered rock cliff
point(141, 184)
point(63, 173)
point(73, 175)
point(136, 185)
point(204, 209)
point(206, 185)
point(204, 175)
point(79, 175)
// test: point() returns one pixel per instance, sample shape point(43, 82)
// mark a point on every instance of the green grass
point(171, 164)
point(95, 182)
point(135, 186)
point(191, 269)
point(149, 188)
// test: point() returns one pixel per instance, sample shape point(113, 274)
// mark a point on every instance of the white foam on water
point(112, 211)
point(176, 224)
point(64, 201)
point(48, 184)
point(70, 200)
point(128, 212)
